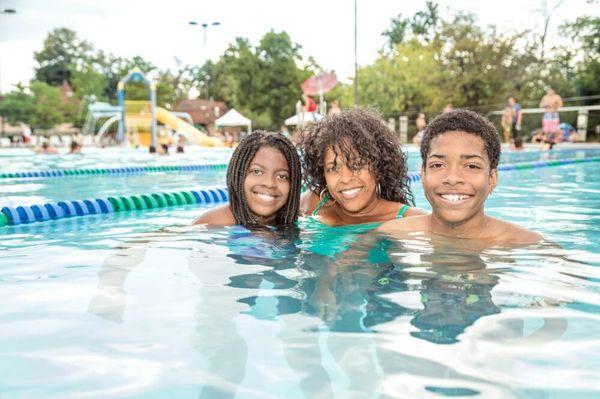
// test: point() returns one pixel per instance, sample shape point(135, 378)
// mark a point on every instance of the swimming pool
point(139, 304)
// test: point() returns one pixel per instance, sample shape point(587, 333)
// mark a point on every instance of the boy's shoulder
point(513, 234)
point(220, 216)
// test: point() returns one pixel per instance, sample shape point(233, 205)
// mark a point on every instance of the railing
point(582, 117)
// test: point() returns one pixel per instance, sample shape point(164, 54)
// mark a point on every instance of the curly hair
point(238, 169)
point(361, 138)
point(463, 120)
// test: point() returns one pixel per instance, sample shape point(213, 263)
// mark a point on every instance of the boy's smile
point(457, 179)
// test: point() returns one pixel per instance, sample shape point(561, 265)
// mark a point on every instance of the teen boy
point(460, 152)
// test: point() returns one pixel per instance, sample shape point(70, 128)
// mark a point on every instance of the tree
point(18, 106)
point(61, 52)
point(405, 81)
point(421, 27)
point(262, 82)
point(585, 32)
point(483, 68)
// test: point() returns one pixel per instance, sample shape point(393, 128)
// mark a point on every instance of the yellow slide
point(192, 134)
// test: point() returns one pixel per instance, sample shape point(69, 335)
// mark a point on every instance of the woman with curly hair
point(355, 170)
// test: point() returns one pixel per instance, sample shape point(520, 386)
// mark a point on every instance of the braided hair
point(361, 138)
point(238, 168)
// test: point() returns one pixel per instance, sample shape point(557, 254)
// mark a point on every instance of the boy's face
point(456, 177)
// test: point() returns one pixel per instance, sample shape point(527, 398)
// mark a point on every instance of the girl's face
point(457, 178)
point(353, 189)
point(267, 183)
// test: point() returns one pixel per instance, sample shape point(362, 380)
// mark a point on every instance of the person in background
point(421, 123)
point(46, 148)
point(448, 108)
point(180, 144)
point(335, 108)
point(538, 137)
point(283, 130)
point(507, 123)
point(26, 134)
point(229, 141)
point(75, 147)
point(309, 106)
point(551, 102)
point(517, 116)
point(517, 144)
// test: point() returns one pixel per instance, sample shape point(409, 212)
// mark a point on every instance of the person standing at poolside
point(551, 103)
point(507, 123)
point(517, 117)
point(355, 170)
point(421, 123)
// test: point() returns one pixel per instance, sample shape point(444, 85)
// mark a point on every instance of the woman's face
point(267, 183)
point(353, 189)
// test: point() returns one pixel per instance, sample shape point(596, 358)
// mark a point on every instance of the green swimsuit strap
point(402, 211)
point(320, 204)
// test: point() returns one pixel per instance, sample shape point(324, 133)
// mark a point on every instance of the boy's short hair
point(462, 120)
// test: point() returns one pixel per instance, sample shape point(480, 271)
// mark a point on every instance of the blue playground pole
point(121, 95)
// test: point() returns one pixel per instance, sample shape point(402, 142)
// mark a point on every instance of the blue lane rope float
point(66, 209)
point(113, 171)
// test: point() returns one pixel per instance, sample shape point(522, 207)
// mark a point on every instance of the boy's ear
point(422, 171)
point(493, 179)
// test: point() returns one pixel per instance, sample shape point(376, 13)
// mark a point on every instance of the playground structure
point(140, 117)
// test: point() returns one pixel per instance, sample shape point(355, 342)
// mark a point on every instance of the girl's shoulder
point(220, 216)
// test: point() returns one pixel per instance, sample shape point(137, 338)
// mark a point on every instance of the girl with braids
point(356, 171)
point(263, 180)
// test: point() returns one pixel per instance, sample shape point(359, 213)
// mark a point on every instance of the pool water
point(141, 305)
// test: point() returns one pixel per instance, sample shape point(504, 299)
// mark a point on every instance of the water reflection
point(268, 308)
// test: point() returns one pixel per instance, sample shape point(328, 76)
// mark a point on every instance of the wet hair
point(238, 168)
point(361, 138)
point(462, 120)
point(519, 142)
point(74, 145)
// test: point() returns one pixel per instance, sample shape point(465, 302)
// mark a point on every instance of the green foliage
point(262, 82)
point(18, 106)
point(62, 50)
point(403, 80)
point(421, 27)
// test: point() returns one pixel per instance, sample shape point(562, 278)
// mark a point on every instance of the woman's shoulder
point(419, 222)
point(308, 202)
point(220, 216)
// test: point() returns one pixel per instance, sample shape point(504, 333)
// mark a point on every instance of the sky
point(159, 30)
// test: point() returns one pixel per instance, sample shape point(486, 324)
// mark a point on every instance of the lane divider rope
point(65, 209)
point(110, 171)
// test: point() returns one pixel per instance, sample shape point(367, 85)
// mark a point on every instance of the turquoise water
point(140, 305)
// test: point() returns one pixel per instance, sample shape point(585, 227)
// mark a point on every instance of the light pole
point(6, 11)
point(355, 55)
point(204, 25)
